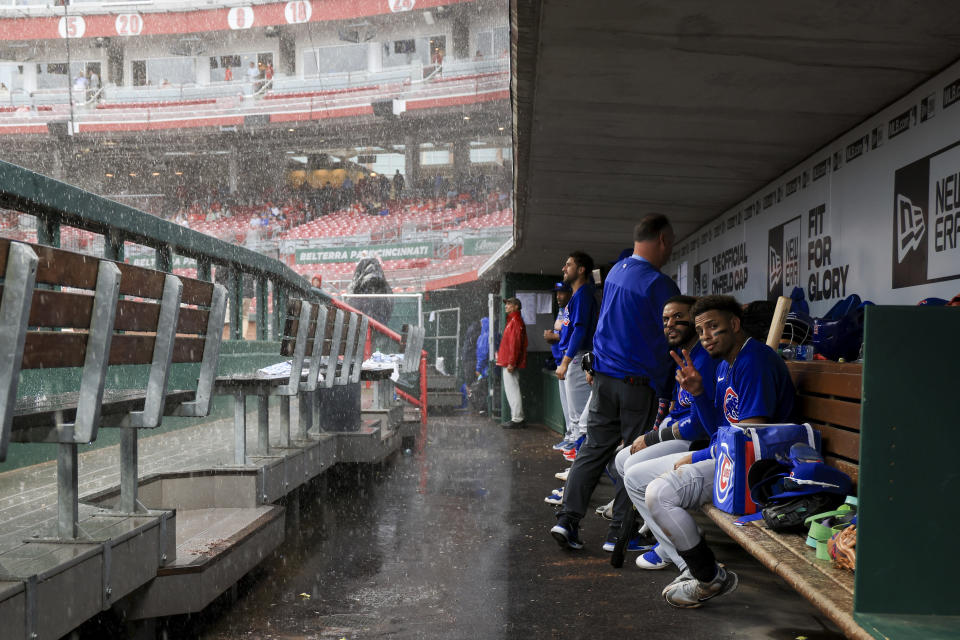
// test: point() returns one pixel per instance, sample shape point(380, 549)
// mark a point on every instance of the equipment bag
point(738, 447)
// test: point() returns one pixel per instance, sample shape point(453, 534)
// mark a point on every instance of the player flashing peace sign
point(687, 376)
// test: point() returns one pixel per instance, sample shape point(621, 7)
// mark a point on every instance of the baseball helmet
point(839, 333)
point(798, 328)
point(765, 477)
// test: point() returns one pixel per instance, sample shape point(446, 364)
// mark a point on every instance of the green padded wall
point(907, 558)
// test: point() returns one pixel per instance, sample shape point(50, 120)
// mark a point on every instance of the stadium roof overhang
point(687, 108)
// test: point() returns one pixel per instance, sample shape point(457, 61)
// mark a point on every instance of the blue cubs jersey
point(555, 349)
point(629, 338)
point(577, 332)
point(757, 385)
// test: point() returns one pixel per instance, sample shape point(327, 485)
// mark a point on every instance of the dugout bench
point(63, 310)
point(890, 424)
point(334, 359)
point(828, 397)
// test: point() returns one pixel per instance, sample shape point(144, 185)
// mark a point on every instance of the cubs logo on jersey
point(724, 473)
point(731, 406)
point(684, 399)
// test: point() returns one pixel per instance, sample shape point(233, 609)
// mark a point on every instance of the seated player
point(680, 427)
point(752, 386)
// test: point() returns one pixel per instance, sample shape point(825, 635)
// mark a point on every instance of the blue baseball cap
point(812, 477)
point(801, 472)
point(562, 286)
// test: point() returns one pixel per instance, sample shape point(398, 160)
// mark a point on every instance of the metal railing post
point(204, 269)
point(262, 315)
point(48, 230)
point(113, 247)
point(164, 258)
point(279, 309)
point(423, 388)
point(236, 304)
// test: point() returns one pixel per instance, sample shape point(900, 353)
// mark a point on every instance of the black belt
point(637, 381)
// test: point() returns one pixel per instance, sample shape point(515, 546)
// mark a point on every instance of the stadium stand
point(170, 107)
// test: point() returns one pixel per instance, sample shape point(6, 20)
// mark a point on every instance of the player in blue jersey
point(752, 385)
point(680, 427)
point(552, 337)
point(631, 367)
point(576, 335)
point(678, 430)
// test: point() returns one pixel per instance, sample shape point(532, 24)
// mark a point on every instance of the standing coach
point(631, 367)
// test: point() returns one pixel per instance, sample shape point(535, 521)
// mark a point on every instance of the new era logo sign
point(774, 268)
point(910, 227)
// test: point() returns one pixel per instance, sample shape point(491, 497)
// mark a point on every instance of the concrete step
point(215, 548)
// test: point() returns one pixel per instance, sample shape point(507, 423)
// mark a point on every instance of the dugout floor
point(451, 542)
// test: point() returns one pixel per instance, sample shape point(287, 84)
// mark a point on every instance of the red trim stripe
point(432, 103)
point(460, 278)
point(160, 124)
point(21, 129)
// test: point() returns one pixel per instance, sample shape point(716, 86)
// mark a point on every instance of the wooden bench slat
point(64, 309)
point(810, 581)
point(828, 383)
point(839, 442)
point(65, 268)
point(148, 283)
point(196, 292)
point(290, 327)
point(53, 349)
point(846, 466)
point(825, 366)
point(68, 269)
point(60, 309)
point(839, 412)
point(193, 321)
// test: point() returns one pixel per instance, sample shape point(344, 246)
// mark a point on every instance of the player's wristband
point(651, 438)
point(668, 434)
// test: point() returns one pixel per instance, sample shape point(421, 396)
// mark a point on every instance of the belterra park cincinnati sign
point(352, 254)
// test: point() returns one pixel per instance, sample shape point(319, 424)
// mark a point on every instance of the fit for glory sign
point(825, 281)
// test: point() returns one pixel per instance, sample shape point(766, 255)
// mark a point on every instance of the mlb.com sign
point(353, 254)
point(926, 220)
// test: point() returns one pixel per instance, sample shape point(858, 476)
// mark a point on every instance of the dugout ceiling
point(687, 107)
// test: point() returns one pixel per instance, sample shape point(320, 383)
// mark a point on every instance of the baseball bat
point(626, 531)
point(779, 319)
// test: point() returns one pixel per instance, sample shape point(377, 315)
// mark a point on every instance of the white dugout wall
point(876, 213)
